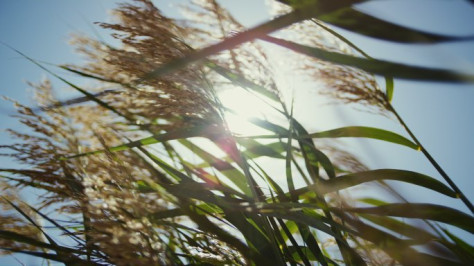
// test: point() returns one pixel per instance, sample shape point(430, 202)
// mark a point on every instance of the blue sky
point(439, 114)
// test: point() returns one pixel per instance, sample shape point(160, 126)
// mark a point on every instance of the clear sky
point(439, 114)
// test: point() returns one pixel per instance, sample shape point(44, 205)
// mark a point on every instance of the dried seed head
point(149, 40)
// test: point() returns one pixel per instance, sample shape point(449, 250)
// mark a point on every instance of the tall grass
point(142, 169)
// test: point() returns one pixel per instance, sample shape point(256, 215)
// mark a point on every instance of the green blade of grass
point(348, 132)
point(307, 254)
point(397, 248)
point(301, 218)
point(422, 211)
point(251, 152)
point(421, 236)
point(311, 152)
point(224, 167)
point(461, 247)
point(256, 149)
point(389, 88)
point(367, 25)
point(366, 132)
point(277, 129)
point(379, 67)
point(350, 180)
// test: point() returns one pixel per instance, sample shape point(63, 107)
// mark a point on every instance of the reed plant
point(142, 168)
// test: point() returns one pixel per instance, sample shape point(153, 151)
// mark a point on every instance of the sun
point(242, 107)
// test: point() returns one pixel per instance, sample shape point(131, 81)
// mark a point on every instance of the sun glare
point(243, 106)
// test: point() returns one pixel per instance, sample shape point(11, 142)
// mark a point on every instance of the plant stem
point(433, 161)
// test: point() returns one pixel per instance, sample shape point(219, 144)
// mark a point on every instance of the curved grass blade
point(421, 236)
point(461, 248)
point(366, 132)
point(397, 248)
point(272, 149)
point(224, 167)
point(343, 132)
point(347, 181)
point(422, 211)
point(367, 25)
point(307, 253)
point(380, 67)
point(256, 149)
point(301, 218)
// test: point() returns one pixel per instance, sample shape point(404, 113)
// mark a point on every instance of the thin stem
point(433, 161)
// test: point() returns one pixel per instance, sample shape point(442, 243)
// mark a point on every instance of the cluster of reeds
point(142, 169)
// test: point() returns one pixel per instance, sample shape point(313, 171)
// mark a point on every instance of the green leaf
point(307, 253)
point(422, 211)
point(372, 201)
point(346, 181)
point(395, 247)
point(277, 129)
point(389, 88)
point(227, 169)
point(380, 67)
point(366, 132)
point(367, 25)
point(256, 149)
point(399, 227)
point(301, 218)
point(311, 153)
point(461, 247)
